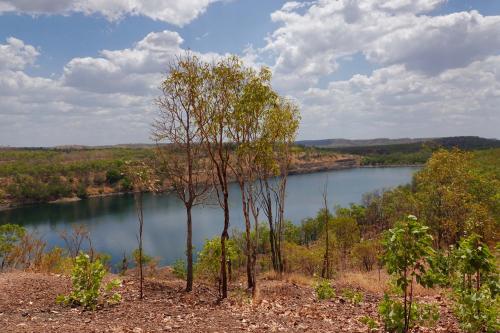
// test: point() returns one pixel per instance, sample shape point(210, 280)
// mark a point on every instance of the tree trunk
point(223, 238)
point(189, 250)
point(248, 236)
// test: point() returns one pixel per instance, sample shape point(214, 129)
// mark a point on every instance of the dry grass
point(377, 283)
point(293, 278)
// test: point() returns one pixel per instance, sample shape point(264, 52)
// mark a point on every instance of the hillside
point(287, 305)
point(463, 142)
point(413, 152)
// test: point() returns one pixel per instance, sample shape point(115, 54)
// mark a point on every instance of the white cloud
point(394, 101)
point(171, 11)
point(16, 55)
point(107, 99)
point(309, 43)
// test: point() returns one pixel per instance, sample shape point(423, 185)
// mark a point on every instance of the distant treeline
point(416, 152)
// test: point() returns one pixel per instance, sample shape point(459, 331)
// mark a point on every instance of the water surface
point(112, 220)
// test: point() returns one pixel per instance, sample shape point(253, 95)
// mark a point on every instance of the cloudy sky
point(87, 71)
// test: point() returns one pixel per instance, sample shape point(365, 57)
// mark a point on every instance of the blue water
point(112, 221)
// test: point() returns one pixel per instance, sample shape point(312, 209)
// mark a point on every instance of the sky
point(87, 72)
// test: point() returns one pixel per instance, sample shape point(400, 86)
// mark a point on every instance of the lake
point(112, 220)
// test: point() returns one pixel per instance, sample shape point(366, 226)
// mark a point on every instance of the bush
point(407, 247)
point(208, 263)
point(86, 279)
point(366, 253)
point(10, 235)
point(324, 290)
point(179, 269)
point(353, 296)
point(113, 176)
point(370, 322)
point(54, 261)
point(476, 287)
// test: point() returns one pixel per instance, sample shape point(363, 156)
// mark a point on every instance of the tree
point(223, 84)
point(346, 233)
point(283, 124)
point(406, 249)
point(455, 198)
point(183, 161)
point(325, 272)
point(142, 178)
point(476, 286)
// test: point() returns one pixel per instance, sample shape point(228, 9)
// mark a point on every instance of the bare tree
point(325, 272)
point(142, 178)
point(184, 161)
point(74, 240)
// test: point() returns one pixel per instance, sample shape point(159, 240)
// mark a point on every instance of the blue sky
point(86, 71)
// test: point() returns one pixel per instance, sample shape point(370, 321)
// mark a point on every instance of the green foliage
point(366, 253)
point(10, 235)
point(113, 176)
point(179, 269)
point(208, 263)
point(353, 296)
point(370, 323)
point(81, 191)
point(86, 279)
point(393, 315)
point(407, 247)
point(476, 286)
point(324, 290)
point(146, 259)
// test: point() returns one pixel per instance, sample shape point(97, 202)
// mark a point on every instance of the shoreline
point(297, 171)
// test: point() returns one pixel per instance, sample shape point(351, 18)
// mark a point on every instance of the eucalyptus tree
point(247, 131)
point(281, 130)
point(183, 160)
point(224, 83)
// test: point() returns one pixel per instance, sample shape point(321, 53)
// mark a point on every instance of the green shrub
point(86, 279)
point(476, 287)
point(113, 176)
point(370, 322)
point(81, 191)
point(179, 269)
point(208, 264)
point(353, 296)
point(10, 235)
point(392, 313)
point(146, 259)
point(324, 289)
point(407, 247)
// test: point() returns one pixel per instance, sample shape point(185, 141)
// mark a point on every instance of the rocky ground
point(27, 304)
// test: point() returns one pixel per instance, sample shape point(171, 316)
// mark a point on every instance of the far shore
point(300, 171)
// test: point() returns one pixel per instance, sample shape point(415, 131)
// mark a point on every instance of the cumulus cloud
point(171, 11)
point(16, 55)
point(97, 100)
point(401, 102)
point(309, 44)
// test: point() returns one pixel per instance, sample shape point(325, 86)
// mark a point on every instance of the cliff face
point(308, 163)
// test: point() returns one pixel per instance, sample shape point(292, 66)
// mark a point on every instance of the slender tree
point(224, 82)
point(247, 130)
point(281, 130)
point(183, 161)
point(325, 272)
point(142, 177)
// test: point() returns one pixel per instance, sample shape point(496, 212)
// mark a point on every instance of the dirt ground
point(27, 304)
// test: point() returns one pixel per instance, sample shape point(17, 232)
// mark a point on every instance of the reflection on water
point(112, 220)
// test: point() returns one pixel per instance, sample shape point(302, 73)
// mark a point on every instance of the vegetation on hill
point(414, 152)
